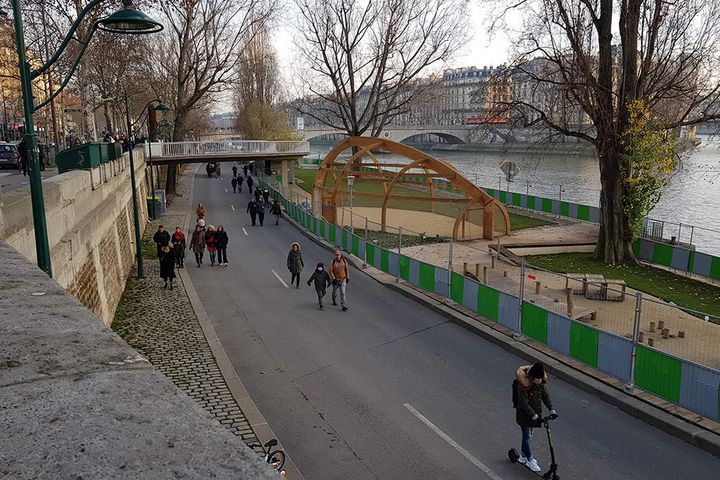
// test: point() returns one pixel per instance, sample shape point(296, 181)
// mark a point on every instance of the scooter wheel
point(513, 455)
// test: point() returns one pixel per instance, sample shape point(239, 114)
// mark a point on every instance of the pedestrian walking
point(295, 263)
point(250, 183)
point(529, 393)
point(161, 238)
point(221, 242)
point(261, 211)
point(178, 242)
point(340, 276)
point(266, 196)
point(167, 265)
point(251, 168)
point(197, 244)
point(322, 281)
point(234, 169)
point(257, 193)
point(252, 210)
point(211, 244)
point(245, 170)
point(24, 155)
point(276, 210)
point(200, 212)
point(233, 182)
point(240, 181)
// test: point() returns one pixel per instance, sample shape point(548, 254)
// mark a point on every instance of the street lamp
point(128, 20)
point(350, 181)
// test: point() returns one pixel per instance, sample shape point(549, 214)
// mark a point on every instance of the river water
point(691, 198)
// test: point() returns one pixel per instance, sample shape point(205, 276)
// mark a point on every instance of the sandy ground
point(702, 339)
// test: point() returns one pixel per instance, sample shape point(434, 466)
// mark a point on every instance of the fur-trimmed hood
point(523, 379)
point(295, 243)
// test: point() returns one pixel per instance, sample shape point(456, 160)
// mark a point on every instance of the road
point(11, 179)
point(347, 392)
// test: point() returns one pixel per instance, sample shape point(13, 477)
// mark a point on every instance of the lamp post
point(350, 182)
point(136, 217)
point(128, 20)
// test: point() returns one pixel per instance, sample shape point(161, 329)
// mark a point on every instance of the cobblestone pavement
point(162, 325)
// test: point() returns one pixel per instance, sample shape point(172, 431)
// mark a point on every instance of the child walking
point(322, 280)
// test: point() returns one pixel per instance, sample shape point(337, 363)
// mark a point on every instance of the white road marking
point(226, 190)
point(281, 280)
point(233, 207)
point(245, 231)
point(453, 443)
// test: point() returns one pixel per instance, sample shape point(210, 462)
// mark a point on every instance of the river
point(691, 198)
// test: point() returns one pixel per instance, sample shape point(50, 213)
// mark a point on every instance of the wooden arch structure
point(423, 173)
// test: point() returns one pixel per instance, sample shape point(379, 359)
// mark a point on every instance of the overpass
point(280, 156)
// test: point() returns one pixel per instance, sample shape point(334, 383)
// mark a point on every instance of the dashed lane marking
point(245, 231)
point(281, 280)
point(233, 207)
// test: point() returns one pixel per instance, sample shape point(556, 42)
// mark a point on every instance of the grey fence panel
point(646, 249)
point(556, 207)
point(414, 272)
point(558, 332)
point(572, 210)
point(699, 390)
point(377, 263)
point(680, 259)
point(441, 281)
point(614, 355)
point(470, 293)
point(594, 215)
point(509, 311)
point(701, 264)
point(361, 248)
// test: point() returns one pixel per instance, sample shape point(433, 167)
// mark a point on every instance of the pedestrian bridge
point(165, 153)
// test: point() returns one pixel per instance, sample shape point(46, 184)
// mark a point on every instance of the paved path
point(390, 389)
point(11, 179)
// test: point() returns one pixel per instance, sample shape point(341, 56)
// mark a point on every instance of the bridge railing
point(224, 147)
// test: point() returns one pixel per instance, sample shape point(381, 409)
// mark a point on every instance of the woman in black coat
point(221, 242)
point(167, 265)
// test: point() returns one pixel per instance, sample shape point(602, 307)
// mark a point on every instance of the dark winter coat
point(197, 243)
point(252, 207)
point(240, 180)
point(234, 182)
point(260, 207)
point(530, 396)
point(178, 241)
point(167, 264)
point(161, 238)
point(295, 261)
point(221, 239)
point(210, 240)
point(275, 209)
point(250, 182)
point(321, 279)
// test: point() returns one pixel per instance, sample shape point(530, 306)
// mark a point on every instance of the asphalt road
point(11, 179)
point(389, 389)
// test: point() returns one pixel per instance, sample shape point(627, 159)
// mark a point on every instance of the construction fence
point(660, 348)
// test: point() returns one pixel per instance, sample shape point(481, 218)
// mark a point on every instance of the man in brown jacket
point(340, 276)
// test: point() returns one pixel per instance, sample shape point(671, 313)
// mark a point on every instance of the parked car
point(9, 156)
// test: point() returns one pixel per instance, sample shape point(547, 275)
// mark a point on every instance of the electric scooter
point(551, 474)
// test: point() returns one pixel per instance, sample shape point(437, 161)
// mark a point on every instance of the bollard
point(505, 273)
point(652, 327)
point(465, 269)
point(492, 261)
point(641, 338)
point(651, 342)
point(681, 333)
point(485, 275)
point(661, 325)
point(665, 332)
point(477, 270)
point(537, 288)
point(569, 299)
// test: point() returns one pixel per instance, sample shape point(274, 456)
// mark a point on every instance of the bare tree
point(603, 58)
point(363, 57)
point(198, 54)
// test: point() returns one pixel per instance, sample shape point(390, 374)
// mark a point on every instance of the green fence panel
point(534, 322)
point(662, 254)
point(333, 233)
point(370, 250)
point(715, 268)
point(344, 238)
point(658, 373)
point(503, 197)
point(488, 303)
point(565, 209)
point(584, 343)
point(490, 191)
point(355, 245)
point(583, 212)
point(384, 260)
point(457, 287)
point(427, 277)
point(531, 202)
point(546, 205)
point(404, 264)
point(323, 229)
point(516, 199)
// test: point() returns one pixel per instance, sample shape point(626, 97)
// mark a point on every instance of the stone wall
point(90, 229)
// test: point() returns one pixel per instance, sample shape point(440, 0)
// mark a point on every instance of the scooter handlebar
point(552, 416)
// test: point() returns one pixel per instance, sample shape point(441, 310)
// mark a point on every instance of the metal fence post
point(366, 244)
point(450, 269)
point(630, 387)
point(521, 296)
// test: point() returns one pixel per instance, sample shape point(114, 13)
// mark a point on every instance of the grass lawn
point(517, 221)
point(659, 283)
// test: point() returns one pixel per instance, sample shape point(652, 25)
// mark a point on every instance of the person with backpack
point(340, 276)
point(322, 280)
point(261, 211)
point(277, 211)
point(233, 182)
point(529, 393)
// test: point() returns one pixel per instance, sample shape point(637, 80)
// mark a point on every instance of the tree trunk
point(171, 180)
point(614, 239)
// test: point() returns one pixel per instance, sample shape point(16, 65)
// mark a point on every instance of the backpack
point(514, 393)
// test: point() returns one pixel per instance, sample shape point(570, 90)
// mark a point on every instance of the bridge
point(399, 133)
point(165, 153)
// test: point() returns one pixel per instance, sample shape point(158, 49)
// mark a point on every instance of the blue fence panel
point(470, 293)
point(509, 312)
point(394, 264)
point(441, 281)
point(614, 355)
point(414, 272)
point(699, 390)
point(559, 332)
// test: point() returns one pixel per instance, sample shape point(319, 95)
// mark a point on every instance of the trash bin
point(82, 157)
point(156, 207)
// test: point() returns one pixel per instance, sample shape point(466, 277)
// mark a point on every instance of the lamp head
point(350, 180)
point(129, 20)
point(162, 107)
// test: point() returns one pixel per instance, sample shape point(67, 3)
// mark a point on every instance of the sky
point(479, 50)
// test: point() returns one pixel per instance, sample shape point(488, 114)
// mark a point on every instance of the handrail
point(239, 147)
